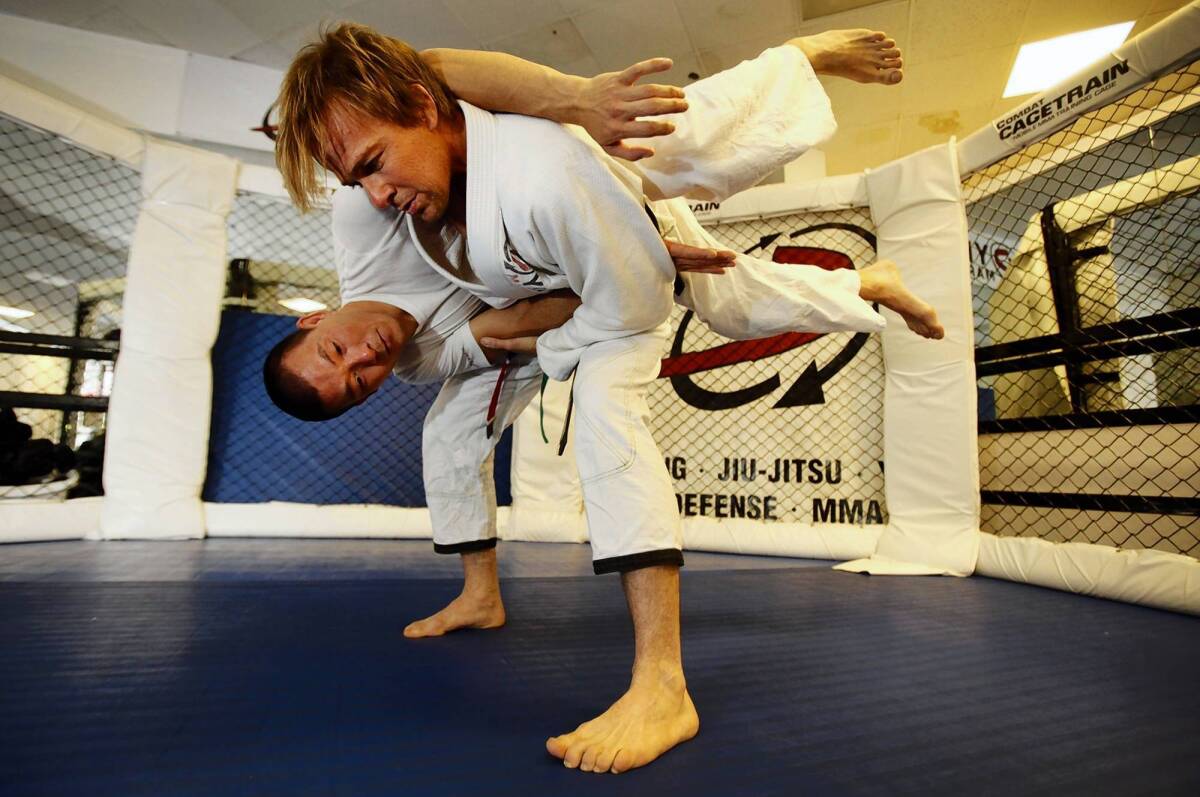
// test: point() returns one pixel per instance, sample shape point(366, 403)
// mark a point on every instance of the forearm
point(502, 82)
point(527, 318)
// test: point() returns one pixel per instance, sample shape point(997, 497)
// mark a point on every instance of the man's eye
point(373, 166)
point(337, 349)
point(362, 383)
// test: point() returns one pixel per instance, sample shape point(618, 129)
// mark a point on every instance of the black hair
point(287, 390)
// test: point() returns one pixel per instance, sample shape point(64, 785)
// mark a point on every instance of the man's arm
point(607, 106)
point(521, 323)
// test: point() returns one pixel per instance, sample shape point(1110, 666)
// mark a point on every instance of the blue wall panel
point(372, 454)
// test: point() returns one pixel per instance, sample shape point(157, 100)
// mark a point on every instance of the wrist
point(572, 102)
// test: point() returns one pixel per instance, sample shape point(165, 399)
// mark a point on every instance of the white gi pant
point(629, 500)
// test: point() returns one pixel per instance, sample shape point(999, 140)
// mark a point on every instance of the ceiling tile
point(813, 9)
point(853, 149)
point(726, 56)
point(918, 131)
point(557, 44)
point(630, 30)
point(1157, 6)
point(580, 6)
point(680, 74)
point(498, 19)
point(716, 23)
point(268, 53)
point(1046, 19)
point(946, 28)
point(290, 41)
point(115, 22)
point(858, 104)
point(200, 26)
point(268, 18)
point(891, 18)
point(952, 83)
point(421, 23)
point(60, 12)
point(1149, 21)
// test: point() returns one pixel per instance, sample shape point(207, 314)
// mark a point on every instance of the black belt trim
point(465, 547)
point(636, 561)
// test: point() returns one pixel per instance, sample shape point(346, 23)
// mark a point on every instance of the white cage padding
point(158, 416)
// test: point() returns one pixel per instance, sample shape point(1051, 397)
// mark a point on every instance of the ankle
point(659, 674)
point(481, 593)
point(813, 53)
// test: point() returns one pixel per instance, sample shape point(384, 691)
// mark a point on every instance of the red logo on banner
point(806, 390)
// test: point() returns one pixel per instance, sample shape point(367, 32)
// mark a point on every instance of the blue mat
point(807, 682)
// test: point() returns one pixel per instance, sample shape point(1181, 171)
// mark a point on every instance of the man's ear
point(310, 320)
point(429, 114)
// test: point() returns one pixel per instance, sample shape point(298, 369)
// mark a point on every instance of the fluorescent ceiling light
point(301, 305)
point(14, 312)
point(1042, 64)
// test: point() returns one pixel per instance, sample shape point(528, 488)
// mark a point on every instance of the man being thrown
point(581, 224)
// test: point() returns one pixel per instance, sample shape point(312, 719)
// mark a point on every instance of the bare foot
point(862, 55)
point(881, 283)
point(462, 612)
point(652, 717)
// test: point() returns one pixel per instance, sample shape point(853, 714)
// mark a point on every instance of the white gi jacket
point(597, 239)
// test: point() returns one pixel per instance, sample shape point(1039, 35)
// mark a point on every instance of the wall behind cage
point(66, 220)
point(1085, 254)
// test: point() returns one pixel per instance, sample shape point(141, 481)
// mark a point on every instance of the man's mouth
point(407, 206)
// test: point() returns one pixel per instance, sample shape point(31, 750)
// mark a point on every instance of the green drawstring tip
point(542, 409)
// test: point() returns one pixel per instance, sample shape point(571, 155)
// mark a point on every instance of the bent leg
point(758, 298)
point(635, 530)
point(741, 125)
point(460, 491)
point(750, 120)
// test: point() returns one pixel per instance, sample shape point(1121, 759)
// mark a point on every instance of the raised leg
point(881, 283)
point(861, 55)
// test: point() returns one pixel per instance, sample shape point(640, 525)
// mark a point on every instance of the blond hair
point(358, 69)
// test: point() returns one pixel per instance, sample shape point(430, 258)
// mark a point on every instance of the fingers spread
point(626, 152)
point(646, 129)
point(642, 68)
point(645, 91)
point(655, 107)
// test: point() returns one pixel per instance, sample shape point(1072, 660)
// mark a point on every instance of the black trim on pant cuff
point(636, 561)
point(465, 547)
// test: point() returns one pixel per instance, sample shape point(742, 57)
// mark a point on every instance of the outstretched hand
point(612, 103)
point(698, 259)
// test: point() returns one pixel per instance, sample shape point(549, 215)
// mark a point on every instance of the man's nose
point(381, 196)
point(362, 354)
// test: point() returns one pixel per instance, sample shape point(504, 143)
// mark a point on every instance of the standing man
point(582, 224)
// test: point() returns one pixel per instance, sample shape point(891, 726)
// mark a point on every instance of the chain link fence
point(67, 217)
point(788, 428)
point(281, 267)
point(1084, 251)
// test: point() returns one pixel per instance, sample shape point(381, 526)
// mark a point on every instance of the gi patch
point(520, 272)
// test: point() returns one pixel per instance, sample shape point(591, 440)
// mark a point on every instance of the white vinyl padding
point(159, 412)
point(930, 418)
point(1152, 578)
point(282, 519)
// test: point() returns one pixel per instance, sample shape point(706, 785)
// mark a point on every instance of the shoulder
point(543, 163)
point(357, 225)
